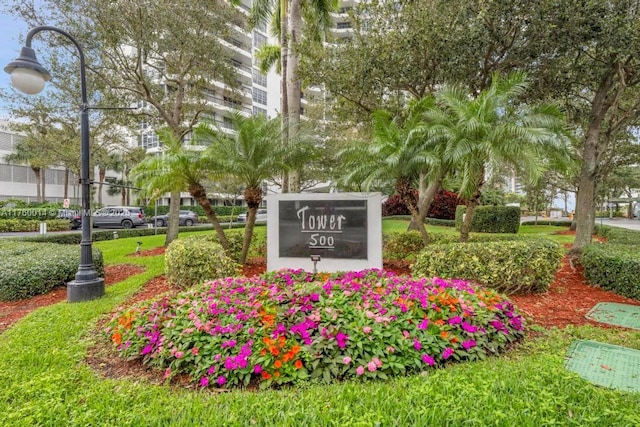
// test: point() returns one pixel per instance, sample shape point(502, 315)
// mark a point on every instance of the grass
point(45, 381)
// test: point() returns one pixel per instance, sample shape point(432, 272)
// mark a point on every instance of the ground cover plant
point(286, 326)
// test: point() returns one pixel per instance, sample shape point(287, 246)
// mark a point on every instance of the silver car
point(187, 218)
point(261, 216)
point(119, 216)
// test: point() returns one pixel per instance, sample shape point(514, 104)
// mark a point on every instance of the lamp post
point(28, 76)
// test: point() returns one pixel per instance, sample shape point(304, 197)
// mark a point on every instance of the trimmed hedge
point(23, 225)
point(150, 211)
point(492, 219)
point(29, 269)
point(511, 266)
point(557, 223)
point(615, 267)
point(194, 260)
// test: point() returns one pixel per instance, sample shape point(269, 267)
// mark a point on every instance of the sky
point(12, 32)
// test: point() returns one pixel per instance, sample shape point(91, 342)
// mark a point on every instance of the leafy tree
point(159, 55)
point(254, 154)
point(491, 129)
point(177, 167)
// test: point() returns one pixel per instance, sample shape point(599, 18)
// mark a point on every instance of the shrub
point(492, 219)
point(406, 245)
point(28, 269)
point(443, 205)
point(615, 267)
point(22, 225)
point(619, 235)
point(558, 223)
point(193, 260)
point(519, 266)
point(287, 327)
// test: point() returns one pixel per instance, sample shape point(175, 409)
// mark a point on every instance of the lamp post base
point(86, 290)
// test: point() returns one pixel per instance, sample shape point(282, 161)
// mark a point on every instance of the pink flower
point(447, 353)
point(179, 354)
point(468, 344)
point(377, 361)
point(167, 373)
point(211, 370)
point(366, 329)
point(390, 349)
point(428, 359)
point(346, 360)
point(360, 370)
point(371, 366)
point(406, 334)
point(195, 351)
point(417, 345)
point(204, 381)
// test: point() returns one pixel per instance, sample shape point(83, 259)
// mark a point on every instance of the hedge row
point(614, 265)
point(28, 269)
point(509, 266)
point(150, 211)
point(492, 219)
point(23, 225)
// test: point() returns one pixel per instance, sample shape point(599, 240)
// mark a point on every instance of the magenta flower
point(417, 345)
point(211, 370)
point(424, 324)
point(360, 370)
point(204, 381)
point(257, 369)
point(468, 344)
point(455, 320)
point(221, 380)
point(428, 359)
point(467, 327)
point(148, 349)
point(341, 339)
point(447, 353)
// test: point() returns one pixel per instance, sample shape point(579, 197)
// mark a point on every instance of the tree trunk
point(174, 212)
point(284, 105)
point(43, 183)
point(294, 85)
point(472, 204)
point(102, 172)
point(66, 183)
point(198, 192)
point(426, 195)
point(405, 191)
point(36, 172)
point(253, 197)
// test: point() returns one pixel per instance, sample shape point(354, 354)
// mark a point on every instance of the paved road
point(631, 224)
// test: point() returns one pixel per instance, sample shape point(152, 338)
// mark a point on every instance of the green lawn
point(45, 381)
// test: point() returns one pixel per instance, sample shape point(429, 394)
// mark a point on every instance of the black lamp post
point(28, 76)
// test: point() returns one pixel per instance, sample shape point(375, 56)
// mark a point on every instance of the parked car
point(188, 218)
point(75, 221)
point(119, 216)
point(261, 216)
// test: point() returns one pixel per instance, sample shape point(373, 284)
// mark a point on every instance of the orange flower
point(439, 322)
point(116, 338)
point(298, 364)
point(266, 375)
point(295, 349)
point(263, 352)
point(277, 364)
point(275, 351)
point(276, 374)
point(267, 340)
point(287, 356)
point(268, 319)
point(454, 340)
point(281, 341)
point(444, 334)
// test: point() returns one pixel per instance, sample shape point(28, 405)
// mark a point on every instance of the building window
point(149, 140)
point(343, 25)
point(259, 40)
point(259, 96)
point(258, 110)
point(259, 78)
point(227, 123)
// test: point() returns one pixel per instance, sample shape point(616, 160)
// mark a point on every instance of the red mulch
point(12, 311)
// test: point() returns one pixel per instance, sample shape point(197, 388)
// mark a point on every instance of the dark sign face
point(329, 228)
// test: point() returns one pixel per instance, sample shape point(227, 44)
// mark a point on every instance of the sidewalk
point(630, 224)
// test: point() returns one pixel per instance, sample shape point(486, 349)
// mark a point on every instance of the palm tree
point(254, 154)
point(287, 22)
point(399, 151)
point(493, 129)
point(177, 168)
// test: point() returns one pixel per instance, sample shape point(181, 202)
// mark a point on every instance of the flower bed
point(286, 327)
